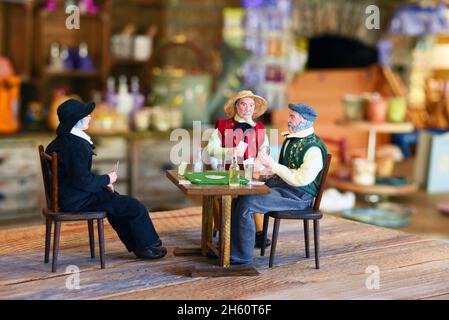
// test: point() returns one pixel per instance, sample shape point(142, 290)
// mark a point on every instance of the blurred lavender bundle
point(385, 49)
point(414, 20)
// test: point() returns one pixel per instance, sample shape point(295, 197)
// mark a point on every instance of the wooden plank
point(410, 266)
point(230, 271)
point(386, 127)
point(402, 276)
point(179, 252)
point(444, 296)
point(378, 189)
point(2, 27)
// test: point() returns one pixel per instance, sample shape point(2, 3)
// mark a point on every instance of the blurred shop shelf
point(386, 127)
point(71, 74)
point(143, 156)
point(381, 190)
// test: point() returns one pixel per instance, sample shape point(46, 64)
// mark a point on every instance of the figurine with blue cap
point(294, 185)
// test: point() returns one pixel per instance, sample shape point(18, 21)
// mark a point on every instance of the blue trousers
point(282, 197)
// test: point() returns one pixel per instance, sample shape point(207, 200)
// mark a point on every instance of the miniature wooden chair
point(305, 215)
point(52, 214)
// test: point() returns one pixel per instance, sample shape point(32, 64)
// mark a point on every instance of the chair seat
point(73, 216)
point(296, 214)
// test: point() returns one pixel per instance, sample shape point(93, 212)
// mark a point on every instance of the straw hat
point(260, 108)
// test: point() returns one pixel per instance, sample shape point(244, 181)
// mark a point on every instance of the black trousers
point(129, 218)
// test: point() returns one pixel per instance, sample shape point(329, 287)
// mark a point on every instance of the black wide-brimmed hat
point(70, 112)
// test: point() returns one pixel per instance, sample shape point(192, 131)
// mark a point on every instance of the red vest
point(231, 138)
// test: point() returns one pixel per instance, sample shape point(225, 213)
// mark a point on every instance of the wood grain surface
point(411, 267)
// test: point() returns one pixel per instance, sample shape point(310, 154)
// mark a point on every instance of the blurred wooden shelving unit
point(144, 157)
point(380, 190)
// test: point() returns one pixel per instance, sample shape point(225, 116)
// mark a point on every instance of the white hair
point(80, 124)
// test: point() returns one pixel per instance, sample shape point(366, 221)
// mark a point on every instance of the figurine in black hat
point(82, 190)
point(293, 187)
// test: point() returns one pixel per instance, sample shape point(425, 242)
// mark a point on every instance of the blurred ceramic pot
point(397, 107)
point(353, 107)
point(377, 110)
point(364, 172)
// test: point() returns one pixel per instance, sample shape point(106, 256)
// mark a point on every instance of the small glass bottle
point(198, 166)
point(234, 172)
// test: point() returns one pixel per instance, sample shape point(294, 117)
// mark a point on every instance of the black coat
point(77, 183)
point(81, 190)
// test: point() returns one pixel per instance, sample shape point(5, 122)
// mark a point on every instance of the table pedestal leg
point(225, 232)
point(206, 232)
point(224, 259)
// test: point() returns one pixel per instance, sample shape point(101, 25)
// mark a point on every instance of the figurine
point(293, 187)
point(81, 190)
point(240, 127)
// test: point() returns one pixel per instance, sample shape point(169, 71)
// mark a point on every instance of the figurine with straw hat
point(242, 109)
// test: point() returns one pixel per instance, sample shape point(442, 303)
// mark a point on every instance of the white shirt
point(310, 168)
point(81, 134)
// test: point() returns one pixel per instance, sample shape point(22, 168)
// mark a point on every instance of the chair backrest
point(49, 165)
point(340, 146)
point(316, 205)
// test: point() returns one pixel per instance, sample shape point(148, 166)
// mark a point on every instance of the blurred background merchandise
point(152, 66)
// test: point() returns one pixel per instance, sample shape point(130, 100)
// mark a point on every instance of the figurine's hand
point(112, 177)
point(230, 152)
point(258, 167)
point(266, 160)
point(110, 187)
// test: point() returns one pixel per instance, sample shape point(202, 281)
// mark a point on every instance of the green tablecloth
point(204, 178)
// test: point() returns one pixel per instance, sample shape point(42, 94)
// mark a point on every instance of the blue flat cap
point(304, 110)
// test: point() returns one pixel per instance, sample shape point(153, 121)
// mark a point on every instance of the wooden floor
point(411, 267)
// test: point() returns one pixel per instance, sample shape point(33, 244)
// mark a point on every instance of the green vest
point(294, 157)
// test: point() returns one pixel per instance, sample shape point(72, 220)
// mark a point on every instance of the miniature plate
point(215, 177)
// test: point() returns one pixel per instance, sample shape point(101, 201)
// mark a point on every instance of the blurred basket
point(179, 87)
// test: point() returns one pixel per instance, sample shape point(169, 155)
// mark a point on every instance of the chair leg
point(306, 237)
point(101, 242)
point(90, 224)
point(316, 239)
point(47, 240)
point(274, 241)
point(56, 245)
point(266, 219)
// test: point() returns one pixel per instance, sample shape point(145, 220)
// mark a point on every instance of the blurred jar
point(122, 46)
point(176, 118)
point(142, 119)
point(353, 107)
point(143, 45)
point(364, 172)
point(160, 117)
point(397, 108)
point(377, 108)
point(384, 166)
